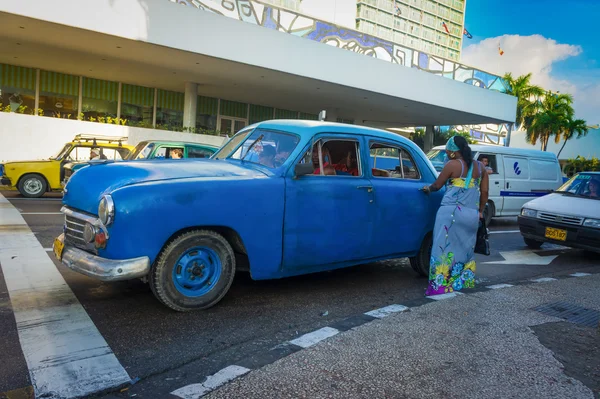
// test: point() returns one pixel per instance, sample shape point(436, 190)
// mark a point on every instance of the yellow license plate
point(556, 234)
point(58, 248)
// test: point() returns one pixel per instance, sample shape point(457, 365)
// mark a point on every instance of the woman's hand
point(426, 189)
point(480, 215)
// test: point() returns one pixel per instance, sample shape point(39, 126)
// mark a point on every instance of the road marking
point(441, 297)
point(212, 382)
point(65, 353)
point(48, 249)
point(525, 257)
point(314, 337)
point(580, 274)
point(386, 311)
point(543, 280)
point(498, 286)
point(42, 213)
point(505, 231)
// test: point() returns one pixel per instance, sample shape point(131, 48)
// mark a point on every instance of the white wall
point(24, 137)
point(587, 147)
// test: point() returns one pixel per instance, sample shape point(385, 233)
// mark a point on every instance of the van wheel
point(420, 263)
point(32, 186)
point(194, 271)
point(533, 244)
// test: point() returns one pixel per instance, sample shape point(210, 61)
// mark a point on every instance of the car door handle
point(369, 188)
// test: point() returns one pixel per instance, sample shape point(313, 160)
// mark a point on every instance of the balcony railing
point(293, 23)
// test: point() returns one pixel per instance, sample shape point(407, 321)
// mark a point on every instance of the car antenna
point(252, 145)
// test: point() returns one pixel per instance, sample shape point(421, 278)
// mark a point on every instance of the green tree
point(527, 95)
point(549, 117)
point(572, 127)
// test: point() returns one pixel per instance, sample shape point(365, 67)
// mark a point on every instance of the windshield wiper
point(252, 145)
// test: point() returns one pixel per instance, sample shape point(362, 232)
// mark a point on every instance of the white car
point(569, 216)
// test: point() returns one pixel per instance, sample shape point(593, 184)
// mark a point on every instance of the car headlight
point(530, 213)
point(592, 223)
point(106, 210)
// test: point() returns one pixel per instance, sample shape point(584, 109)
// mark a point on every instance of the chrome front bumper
point(100, 268)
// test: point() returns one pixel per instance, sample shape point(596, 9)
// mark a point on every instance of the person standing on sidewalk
point(452, 265)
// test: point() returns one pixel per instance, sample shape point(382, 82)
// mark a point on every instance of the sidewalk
point(481, 345)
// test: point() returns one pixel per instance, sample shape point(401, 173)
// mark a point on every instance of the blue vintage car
point(280, 198)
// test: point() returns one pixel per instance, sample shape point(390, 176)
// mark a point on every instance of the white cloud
point(535, 54)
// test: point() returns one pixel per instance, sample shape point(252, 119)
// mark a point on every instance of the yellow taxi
point(35, 178)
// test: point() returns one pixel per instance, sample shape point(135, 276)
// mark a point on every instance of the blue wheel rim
point(197, 271)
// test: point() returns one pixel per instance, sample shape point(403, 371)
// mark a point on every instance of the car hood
point(86, 187)
point(15, 163)
point(566, 205)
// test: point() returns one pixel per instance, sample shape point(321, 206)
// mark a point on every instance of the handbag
point(482, 245)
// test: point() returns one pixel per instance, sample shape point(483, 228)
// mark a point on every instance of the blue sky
point(564, 55)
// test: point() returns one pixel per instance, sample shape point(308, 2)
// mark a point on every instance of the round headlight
point(89, 233)
point(106, 210)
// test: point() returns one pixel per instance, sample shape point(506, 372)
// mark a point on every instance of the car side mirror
point(302, 169)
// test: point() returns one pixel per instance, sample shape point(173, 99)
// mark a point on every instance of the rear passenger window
point(543, 170)
point(387, 160)
point(198, 152)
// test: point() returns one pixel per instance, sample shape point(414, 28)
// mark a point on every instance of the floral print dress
point(452, 266)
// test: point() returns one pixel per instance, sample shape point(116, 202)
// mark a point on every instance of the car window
point(199, 152)
point(232, 144)
point(490, 161)
point(386, 160)
point(267, 147)
point(583, 184)
point(168, 152)
point(437, 156)
point(334, 157)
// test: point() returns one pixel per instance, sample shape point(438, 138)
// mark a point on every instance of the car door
point(517, 186)
point(403, 214)
point(496, 179)
point(194, 151)
point(328, 218)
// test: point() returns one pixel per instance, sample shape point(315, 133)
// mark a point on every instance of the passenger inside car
point(267, 156)
point(594, 188)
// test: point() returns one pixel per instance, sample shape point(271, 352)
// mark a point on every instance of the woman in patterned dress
point(452, 266)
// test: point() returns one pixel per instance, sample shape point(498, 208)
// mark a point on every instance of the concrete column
point(428, 144)
point(190, 102)
point(507, 142)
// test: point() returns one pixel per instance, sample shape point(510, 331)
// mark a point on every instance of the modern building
point(192, 65)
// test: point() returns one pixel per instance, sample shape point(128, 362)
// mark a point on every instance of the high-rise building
point(432, 26)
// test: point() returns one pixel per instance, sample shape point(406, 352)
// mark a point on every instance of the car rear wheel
point(533, 244)
point(420, 263)
point(194, 271)
point(32, 186)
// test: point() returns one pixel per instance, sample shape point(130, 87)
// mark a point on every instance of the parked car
point(34, 178)
point(570, 216)
point(516, 175)
point(186, 226)
point(152, 149)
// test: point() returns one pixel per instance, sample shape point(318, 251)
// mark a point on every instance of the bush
point(581, 164)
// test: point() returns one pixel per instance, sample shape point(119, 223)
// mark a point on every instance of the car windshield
point(437, 156)
point(59, 155)
point(231, 144)
point(265, 147)
point(141, 151)
point(582, 185)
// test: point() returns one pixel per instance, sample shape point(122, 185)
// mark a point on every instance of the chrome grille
point(552, 217)
point(73, 230)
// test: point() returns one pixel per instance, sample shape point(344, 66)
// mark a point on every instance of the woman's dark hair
point(464, 149)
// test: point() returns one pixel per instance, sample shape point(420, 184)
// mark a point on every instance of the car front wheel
point(32, 186)
point(194, 271)
point(420, 263)
point(533, 244)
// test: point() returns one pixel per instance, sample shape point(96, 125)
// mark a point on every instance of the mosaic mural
point(270, 17)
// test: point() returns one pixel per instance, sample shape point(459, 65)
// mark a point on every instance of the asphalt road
point(167, 350)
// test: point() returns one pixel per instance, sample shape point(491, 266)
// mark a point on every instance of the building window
point(137, 105)
point(17, 89)
point(259, 113)
point(169, 109)
point(285, 114)
point(206, 113)
point(59, 94)
point(99, 99)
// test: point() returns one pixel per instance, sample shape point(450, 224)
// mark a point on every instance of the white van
point(516, 177)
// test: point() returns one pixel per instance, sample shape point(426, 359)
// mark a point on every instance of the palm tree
point(548, 117)
point(526, 93)
point(573, 127)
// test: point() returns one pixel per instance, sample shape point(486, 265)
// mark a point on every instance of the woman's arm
point(445, 174)
point(485, 189)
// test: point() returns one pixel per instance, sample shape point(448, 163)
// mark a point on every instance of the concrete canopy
point(157, 44)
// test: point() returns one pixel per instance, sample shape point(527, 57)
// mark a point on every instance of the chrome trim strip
point(87, 218)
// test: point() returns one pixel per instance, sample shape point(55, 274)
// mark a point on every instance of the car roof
point(497, 149)
point(307, 128)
